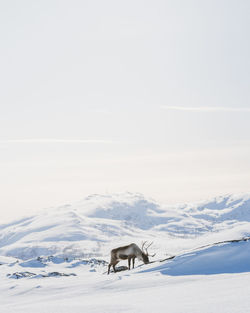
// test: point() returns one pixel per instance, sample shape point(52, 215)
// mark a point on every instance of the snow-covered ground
point(56, 261)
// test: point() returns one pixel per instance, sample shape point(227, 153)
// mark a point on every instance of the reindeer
point(130, 252)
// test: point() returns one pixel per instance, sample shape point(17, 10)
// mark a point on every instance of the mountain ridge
point(92, 226)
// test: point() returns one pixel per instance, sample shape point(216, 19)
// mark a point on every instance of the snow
point(56, 261)
point(91, 226)
point(230, 257)
point(134, 291)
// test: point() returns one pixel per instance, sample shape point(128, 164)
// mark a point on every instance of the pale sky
point(112, 96)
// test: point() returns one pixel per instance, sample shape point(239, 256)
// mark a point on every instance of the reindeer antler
point(143, 244)
point(146, 248)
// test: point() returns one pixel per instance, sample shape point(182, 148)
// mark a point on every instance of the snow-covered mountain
point(56, 261)
point(91, 227)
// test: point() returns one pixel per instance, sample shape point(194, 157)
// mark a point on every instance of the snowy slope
point(230, 257)
point(178, 285)
point(204, 276)
point(89, 228)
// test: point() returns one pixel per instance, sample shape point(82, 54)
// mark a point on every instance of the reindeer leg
point(133, 262)
point(109, 268)
point(129, 263)
point(114, 268)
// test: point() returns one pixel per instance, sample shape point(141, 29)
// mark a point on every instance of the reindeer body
point(130, 252)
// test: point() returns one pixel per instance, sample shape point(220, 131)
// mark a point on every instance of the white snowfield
point(56, 261)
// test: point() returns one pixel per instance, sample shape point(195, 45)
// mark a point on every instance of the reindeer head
point(145, 258)
point(145, 253)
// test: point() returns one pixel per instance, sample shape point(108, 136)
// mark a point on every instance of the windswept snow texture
point(93, 226)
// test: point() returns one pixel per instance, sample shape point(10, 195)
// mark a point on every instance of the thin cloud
point(54, 140)
point(205, 109)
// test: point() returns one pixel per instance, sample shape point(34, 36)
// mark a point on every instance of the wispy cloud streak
point(205, 109)
point(55, 140)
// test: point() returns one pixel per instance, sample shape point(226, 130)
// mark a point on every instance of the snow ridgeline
point(92, 227)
